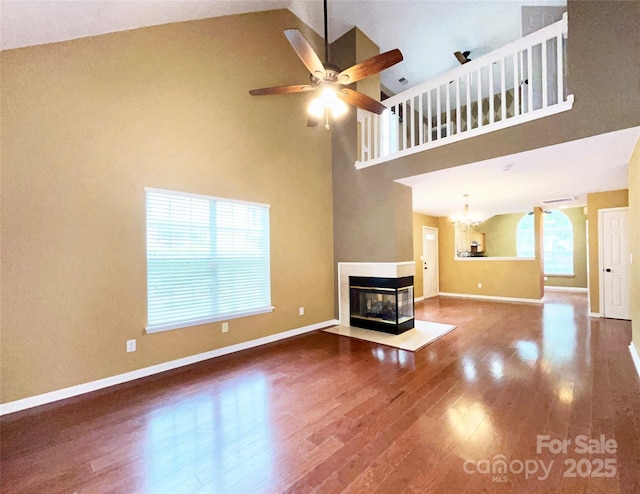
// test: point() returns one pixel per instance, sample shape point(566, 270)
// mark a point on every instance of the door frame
point(601, 254)
point(435, 231)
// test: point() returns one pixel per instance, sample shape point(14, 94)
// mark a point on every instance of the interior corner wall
point(86, 125)
point(372, 213)
point(419, 221)
point(634, 240)
point(595, 202)
point(500, 234)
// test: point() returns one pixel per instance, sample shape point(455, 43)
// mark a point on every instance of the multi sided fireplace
point(381, 304)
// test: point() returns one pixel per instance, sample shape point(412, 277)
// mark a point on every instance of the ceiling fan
point(463, 57)
point(330, 80)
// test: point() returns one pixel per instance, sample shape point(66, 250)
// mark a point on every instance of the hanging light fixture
point(466, 221)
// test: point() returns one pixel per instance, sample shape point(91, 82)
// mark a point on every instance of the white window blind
point(207, 259)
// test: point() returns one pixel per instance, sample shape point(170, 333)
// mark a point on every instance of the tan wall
point(595, 202)
point(502, 278)
point(634, 239)
point(86, 125)
point(500, 234)
point(420, 220)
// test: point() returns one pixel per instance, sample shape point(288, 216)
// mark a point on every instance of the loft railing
point(522, 81)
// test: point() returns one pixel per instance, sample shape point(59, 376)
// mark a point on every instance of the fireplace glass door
point(381, 304)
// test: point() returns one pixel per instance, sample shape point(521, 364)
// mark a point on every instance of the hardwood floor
point(324, 413)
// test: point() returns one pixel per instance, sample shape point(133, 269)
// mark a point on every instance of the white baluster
point(365, 137)
point(404, 124)
point(458, 107)
point(530, 79)
point(413, 122)
point(448, 119)
point(491, 96)
point(560, 71)
point(438, 115)
point(480, 109)
point(429, 117)
point(376, 132)
point(503, 90)
point(544, 74)
point(516, 86)
point(468, 101)
point(420, 119)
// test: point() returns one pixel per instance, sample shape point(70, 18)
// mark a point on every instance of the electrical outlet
point(479, 285)
point(225, 327)
point(301, 311)
point(131, 345)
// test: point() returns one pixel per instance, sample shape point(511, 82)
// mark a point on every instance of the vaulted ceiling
point(426, 31)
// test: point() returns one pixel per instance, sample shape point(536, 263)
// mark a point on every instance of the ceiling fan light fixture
point(316, 108)
point(327, 101)
point(328, 79)
point(339, 108)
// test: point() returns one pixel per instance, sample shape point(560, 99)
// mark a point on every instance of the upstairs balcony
point(522, 81)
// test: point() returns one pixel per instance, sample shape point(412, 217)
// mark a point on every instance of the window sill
point(197, 322)
point(570, 275)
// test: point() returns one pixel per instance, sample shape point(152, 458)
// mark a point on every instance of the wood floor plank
point(325, 413)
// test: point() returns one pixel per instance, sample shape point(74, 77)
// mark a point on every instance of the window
point(207, 259)
point(558, 242)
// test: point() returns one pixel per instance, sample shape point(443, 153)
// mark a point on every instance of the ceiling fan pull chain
point(326, 114)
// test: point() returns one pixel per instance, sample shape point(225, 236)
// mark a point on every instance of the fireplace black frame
point(390, 288)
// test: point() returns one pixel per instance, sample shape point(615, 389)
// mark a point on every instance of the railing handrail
point(534, 38)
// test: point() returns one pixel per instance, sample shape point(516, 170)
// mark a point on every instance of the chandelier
point(466, 221)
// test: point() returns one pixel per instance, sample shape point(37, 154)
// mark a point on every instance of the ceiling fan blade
point(370, 66)
point(305, 52)
point(462, 57)
point(297, 88)
point(360, 100)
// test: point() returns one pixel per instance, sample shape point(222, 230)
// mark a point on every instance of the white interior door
point(430, 261)
point(616, 260)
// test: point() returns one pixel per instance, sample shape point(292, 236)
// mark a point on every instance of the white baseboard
point(594, 314)
point(574, 289)
point(61, 394)
point(418, 299)
point(493, 297)
point(635, 357)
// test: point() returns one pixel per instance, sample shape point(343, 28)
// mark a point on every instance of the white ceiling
point(426, 31)
point(573, 168)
